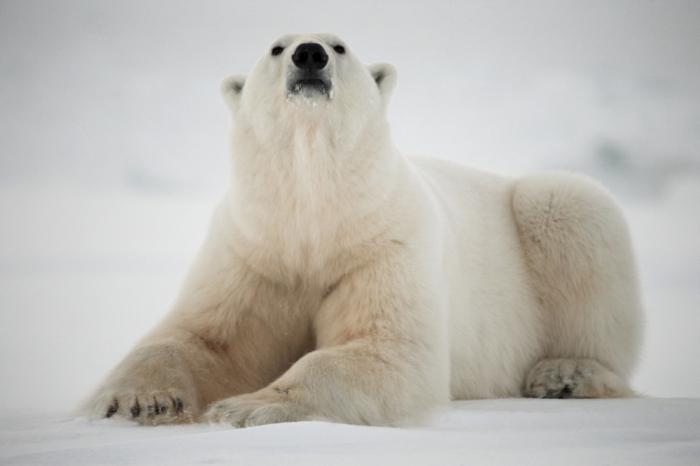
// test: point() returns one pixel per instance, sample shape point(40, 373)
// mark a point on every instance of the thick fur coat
point(343, 281)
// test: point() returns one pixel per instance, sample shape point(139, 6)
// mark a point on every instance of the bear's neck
point(306, 194)
point(312, 166)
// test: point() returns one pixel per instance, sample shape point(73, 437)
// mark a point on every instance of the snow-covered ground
point(498, 432)
point(113, 153)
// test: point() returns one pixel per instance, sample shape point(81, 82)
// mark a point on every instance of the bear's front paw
point(151, 407)
point(266, 406)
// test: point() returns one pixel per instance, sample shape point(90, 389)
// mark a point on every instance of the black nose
point(310, 57)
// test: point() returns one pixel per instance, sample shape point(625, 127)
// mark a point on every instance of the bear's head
point(309, 81)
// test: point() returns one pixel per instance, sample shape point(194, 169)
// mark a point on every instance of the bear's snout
point(310, 56)
point(310, 75)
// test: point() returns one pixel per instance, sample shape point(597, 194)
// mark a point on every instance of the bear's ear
point(384, 76)
point(231, 89)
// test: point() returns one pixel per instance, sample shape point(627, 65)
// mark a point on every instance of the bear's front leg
point(382, 356)
point(221, 339)
point(153, 385)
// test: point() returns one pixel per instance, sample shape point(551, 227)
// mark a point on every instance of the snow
point(503, 432)
point(112, 156)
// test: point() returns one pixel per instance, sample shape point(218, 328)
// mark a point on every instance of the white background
point(113, 149)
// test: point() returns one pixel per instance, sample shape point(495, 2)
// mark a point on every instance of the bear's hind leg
point(574, 378)
point(577, 248)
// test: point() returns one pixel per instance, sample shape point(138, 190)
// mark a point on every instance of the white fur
point(343, 281)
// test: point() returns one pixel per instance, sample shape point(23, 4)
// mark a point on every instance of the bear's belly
point(495, 323)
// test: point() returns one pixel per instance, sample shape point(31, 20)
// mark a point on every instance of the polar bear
point(343, 281)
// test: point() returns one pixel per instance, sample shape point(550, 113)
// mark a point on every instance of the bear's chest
point(314, 247)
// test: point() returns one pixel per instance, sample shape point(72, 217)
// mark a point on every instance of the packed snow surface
point(510, 431)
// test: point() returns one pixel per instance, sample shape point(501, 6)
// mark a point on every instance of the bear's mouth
point(308, 85)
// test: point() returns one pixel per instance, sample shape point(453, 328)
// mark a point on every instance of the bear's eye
point(276, 50)
point(339, 49)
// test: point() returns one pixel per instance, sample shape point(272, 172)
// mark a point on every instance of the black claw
point(566, 392)
point(162, 409)
point(156, 407)
point(179, 405)
point(136, 410)
point(113, 408)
